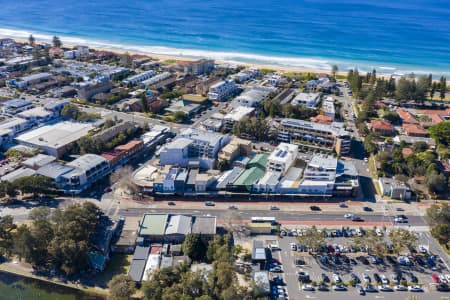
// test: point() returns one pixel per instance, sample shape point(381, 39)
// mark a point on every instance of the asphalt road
point(281, 216)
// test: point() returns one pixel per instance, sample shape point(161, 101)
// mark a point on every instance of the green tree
point(223, 165)
point(436, 183)
point(6, 238)
point(22, 241)
point(441, 133)
point(402, 239)
point(121, 287)
point(144, 103)
point(180, 116)
point(56, 42)
point(441, 232)
point(7, 189)
point(312, 239)
point(194, 247)
point(443, 84)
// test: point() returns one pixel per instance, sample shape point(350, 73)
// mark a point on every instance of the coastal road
point(284, 217)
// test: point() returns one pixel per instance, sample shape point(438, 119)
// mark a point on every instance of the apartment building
point(194, 146)
point(139, 77)
point(199, 67)
point(15, 106)
point(315, 136)
point(282, 158)
point(310, 100)
point(222, 90)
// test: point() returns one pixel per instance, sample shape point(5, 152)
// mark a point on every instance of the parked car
point(339, 288)
point(366, 278)
point(384, 279)
point(400, 288)
point(325, 277)
point(442, 287)
point(308, 287)
point(336, 278)
point(385, 288)
point(323, 288)
point(360, 290)
point(377, 278)
point(415, 288)
point(370, 289)
point(293, 247)
point(276, 269)
point(413, 278)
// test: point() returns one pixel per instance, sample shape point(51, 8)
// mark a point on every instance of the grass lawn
point(437, 98)
point(118, 264)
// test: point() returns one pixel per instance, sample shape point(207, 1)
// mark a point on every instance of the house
point(236, 147)
point(414, 130)
point(407, 152)
point(393, 188)
point(188, 108)
point(382, 127)
point(245, 75)
point(87, 90)
point(406, 116)
point(199, 67)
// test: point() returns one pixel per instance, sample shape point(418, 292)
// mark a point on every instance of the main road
point(283, 217)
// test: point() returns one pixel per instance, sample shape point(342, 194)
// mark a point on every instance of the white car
point(415, 288)
point(366, 278)
point(400, 288)
point(447, 277)
point(379, 232)
point(336, 278)
point(442, 278)
point(423, 249)
point(348, 216)
point(384, 280)
point(293, 246)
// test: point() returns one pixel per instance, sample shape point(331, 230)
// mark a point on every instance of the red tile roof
point(128, 146)
point(381, 125)
point(322, 119)
point(436, 118)
point(440, 112)
point(406, 116)
point(414, 129)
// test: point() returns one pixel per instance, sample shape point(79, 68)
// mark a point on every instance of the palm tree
point(334, 70)
point(56, 42)
point(31, 40)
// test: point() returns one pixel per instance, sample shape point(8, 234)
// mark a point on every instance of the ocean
point(400, 36)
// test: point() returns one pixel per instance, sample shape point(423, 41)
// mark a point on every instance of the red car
point(435, 278)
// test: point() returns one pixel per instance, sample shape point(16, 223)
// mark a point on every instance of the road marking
point(310, 297)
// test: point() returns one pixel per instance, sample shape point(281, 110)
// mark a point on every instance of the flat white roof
point(56, 135)
point(292, 178)
point(284, 152)
point(239, 112)
point(35, 112)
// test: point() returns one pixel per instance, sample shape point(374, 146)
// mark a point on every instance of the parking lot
point(386, 271)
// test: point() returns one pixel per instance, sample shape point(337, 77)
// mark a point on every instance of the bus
point(270, 220)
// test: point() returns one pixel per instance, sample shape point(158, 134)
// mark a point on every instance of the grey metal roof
point(259, 251)
point(19, 173)
point(136, 270)
point(179, 143)
point(204, 225)
point(54, 170)
point(179, 224)
point(211, 138)
point(192, 176)
point(16, 103)
point(229, 177)
point(141, 252)
point(87, 161)
point(166, 262)
point(39, 160)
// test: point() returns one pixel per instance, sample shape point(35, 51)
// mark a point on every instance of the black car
point(370, 289)
point(413, 278)
point(171, 203)
point(366, 208)
point(323, 288)
point(377, 278)
point(361, 290)
point(355, 278)
point(442, 287)
point(325, 278)
point(314, 208)
point(345, 259)
point(357, 219)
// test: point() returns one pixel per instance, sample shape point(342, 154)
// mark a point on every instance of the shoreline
point(89, 291)
point(280, 64)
